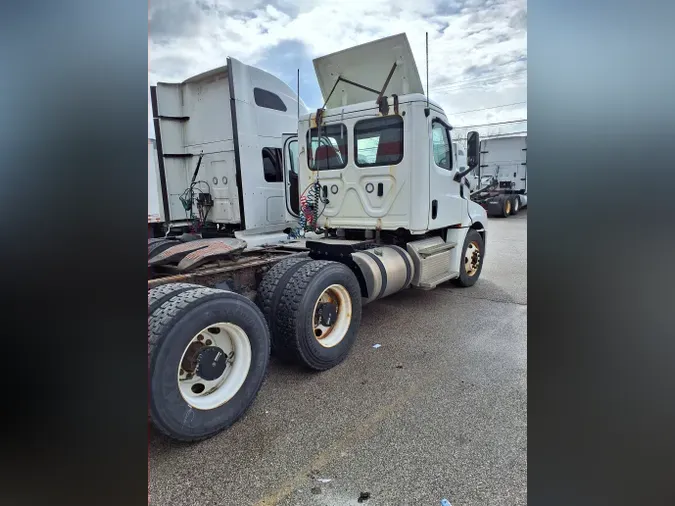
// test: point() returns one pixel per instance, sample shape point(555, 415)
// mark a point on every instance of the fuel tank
point(386, 269)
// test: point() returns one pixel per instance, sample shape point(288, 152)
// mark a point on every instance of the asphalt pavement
point(438, 411)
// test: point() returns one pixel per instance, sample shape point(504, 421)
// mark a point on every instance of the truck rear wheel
point(506, 206)
point(515, 205)
point(272, 287)
point(160, 294)
point(471, 259)
point(319, 315)
point(156, 246)
point(208, 354)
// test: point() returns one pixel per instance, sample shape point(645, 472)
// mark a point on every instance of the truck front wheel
point(208, 354)
point(471, 261)
point(319, 315)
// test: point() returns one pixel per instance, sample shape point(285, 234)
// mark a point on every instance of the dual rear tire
point(313, 309)
point(208, 351)
point(510, 205)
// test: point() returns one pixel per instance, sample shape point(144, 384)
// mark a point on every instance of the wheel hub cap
point(211, 363)
point(332, 315)
point(472, 259)
point(327, 313)
point(214, 365)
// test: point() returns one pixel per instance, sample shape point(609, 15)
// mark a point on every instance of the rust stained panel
point(211, 252)
point(217, 273)
point(176, 253)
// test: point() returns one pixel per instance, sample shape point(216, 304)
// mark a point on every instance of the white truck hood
point(368, 65)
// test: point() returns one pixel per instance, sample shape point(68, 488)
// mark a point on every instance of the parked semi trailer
point(296, 232)
point(501, 176)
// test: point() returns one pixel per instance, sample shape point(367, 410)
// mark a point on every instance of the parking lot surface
point(438, 411)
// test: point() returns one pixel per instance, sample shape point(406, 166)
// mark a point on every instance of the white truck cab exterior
point(383, 166)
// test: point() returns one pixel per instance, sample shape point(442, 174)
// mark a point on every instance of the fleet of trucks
point(281, 223)
point(501, 176)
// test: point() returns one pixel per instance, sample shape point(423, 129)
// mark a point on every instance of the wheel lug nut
point(200, 338)
point(208, 342)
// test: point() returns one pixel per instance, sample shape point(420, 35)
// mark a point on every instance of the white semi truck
point(502, 175)
point(295, 231)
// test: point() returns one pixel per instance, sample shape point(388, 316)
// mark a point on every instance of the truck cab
point(381, 152)
point(225, 126)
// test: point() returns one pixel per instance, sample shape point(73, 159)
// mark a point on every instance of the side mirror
point(472, 149)
point(472, 155)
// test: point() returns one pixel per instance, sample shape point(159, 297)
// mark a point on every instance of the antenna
point(298, 94)
point(426, 112)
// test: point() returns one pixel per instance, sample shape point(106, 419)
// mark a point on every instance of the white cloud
point(477, 56)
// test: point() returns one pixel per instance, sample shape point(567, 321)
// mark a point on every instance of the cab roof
point(368, 65)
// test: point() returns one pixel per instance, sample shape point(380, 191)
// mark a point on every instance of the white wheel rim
point(331, 335)
point(472, 258)
point(516, 205)
point(209, 394)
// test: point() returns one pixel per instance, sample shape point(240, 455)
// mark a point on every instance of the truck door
point(291, 183)
point(447, 206)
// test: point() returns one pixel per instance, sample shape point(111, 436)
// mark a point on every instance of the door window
point(293, 156)
point(272, 165)
point(440, 142)
point(293, 194)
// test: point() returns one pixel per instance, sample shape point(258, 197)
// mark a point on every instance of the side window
point(379, 141)
point(268, 100)
point(293, 154)
point(331, 151)
point(272, 165)
point(441, 146)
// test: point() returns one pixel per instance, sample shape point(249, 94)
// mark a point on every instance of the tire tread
point(159, 294)
point(167, 314)
point(287, 343)
point(267, 290)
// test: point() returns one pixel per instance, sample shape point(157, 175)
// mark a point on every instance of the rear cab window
point(330, 152)
point(378, 141)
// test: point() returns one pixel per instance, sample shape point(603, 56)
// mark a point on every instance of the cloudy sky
point(477, 48)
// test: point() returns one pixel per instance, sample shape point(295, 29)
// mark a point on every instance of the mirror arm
point(459, 175)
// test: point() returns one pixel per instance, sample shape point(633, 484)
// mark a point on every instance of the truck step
point(431, 258)
point(436, 248)
point(430, 284)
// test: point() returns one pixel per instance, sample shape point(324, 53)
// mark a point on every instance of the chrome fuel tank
point(386, 269)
